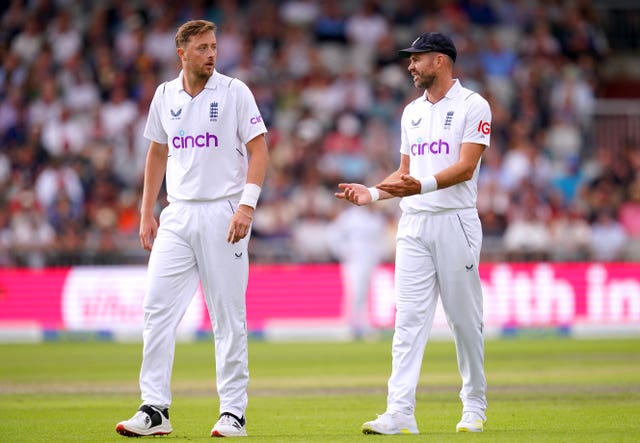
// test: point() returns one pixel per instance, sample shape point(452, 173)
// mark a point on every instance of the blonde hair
point(191, 28)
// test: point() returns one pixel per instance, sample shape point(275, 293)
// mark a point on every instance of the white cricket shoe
point(471, 422)
point(229, 426)
point(391, 423)
point(148, 420)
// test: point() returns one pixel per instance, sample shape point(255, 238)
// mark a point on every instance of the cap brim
point(408, 51)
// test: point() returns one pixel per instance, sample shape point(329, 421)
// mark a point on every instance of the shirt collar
point(451, 93)
point(211, 83)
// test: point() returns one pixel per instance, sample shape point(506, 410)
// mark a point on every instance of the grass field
point(540, 390)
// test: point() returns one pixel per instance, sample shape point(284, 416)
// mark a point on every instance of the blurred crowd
point(77, 77)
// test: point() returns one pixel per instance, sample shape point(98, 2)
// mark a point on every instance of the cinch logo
point(206, 140)
point(436, 147)
point(255, 120)
point(484, 127)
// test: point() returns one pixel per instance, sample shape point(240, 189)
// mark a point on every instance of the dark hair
point(191, 28)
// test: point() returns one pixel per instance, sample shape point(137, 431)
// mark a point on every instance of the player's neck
point(439, 89)
point(193, 84)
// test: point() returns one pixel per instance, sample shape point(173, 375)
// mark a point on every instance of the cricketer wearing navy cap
point(443, 134)
point(431, 42)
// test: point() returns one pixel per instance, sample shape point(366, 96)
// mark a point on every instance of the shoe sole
point(469, 430)
point(369, 431)
point(218, 434)
point(120, 429)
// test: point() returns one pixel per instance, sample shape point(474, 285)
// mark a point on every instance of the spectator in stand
point(31, 236)
point(159, 42)
point(46, 106)
point(539, 42)
point(77, 88)
point(569, 180)
point(330, 24)
point(572, 99)
point(577, 35)
point(118, 112)
point(5, 236)
point(523, 160)
point(629, 216)
point(65, 135)
point(498, 62)
point(63, 38)
point(13, 73)
point(129, 40)
point(299, 12)
point(53, 57)
point(59, 178)
point(527, 237)
point(570, 235)
point(314, 208)
point(608, 238)
point(342, 151)
point(29, 41)
point(365, 29)
point(10, 110)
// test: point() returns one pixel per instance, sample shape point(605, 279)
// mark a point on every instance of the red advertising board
point(516, 296)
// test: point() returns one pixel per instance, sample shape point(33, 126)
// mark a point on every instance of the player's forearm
point(453, 175)
point(391, 178)
point(258, 160)
point(462, 170)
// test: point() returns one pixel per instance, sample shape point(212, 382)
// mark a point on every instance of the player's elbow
point(467, 174)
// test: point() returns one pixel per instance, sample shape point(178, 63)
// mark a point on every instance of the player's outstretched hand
point(404, 187)
point(355, 193)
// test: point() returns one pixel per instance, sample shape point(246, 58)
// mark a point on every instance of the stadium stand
point(560, 182)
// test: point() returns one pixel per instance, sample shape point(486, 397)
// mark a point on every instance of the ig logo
point(484, 127)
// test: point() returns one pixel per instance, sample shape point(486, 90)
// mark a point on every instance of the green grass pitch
point(540, 390)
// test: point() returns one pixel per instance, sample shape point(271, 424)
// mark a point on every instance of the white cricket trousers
point(437, 253)
point(191, 248)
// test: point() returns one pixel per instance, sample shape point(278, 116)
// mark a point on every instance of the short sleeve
point(154, 130)
point(250, 123)
point(478, 121)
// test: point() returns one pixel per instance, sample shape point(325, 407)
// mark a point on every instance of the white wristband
point(250, 195)
point(375, 193)
point(428, 184)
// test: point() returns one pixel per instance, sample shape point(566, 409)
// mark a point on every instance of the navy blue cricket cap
point(431, 42)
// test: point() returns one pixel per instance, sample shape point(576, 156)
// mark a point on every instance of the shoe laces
point(227, 420)
point(391, 417)
point(385, 416)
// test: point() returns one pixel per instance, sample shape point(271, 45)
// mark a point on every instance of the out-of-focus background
point(559, 188)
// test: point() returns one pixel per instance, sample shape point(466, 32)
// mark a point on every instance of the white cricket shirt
point(431, 135)
point(206, 135)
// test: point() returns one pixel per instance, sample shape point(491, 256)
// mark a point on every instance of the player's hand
point(148, 231)
point(240, 224)
point(355, 193)
point(404, 187)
